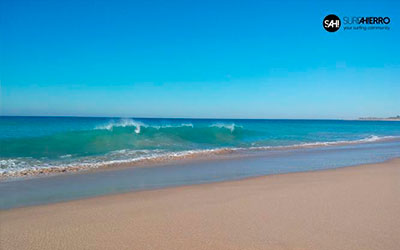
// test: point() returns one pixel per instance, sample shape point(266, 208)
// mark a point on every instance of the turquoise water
point(44, 142)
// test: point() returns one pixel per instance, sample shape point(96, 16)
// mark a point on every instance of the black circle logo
point(331, 23)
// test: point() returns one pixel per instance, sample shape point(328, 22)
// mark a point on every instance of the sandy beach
point(346, 208)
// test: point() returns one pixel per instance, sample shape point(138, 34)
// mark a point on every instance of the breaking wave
point(123, 123)
point(230, 126)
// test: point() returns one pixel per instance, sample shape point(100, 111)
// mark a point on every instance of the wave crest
point(230, 126)
point(123, 123)
point(138, 125)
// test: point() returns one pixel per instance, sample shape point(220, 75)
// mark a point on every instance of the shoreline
point(395, 160)
point(180, 156)
point(351, 207)
point(47, 189)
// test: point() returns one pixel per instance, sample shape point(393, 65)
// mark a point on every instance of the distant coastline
point(394, 118)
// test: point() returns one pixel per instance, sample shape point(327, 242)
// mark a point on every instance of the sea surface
point(242, 149)
point(31, 144)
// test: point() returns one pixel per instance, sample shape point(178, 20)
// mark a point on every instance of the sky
point(197, 59)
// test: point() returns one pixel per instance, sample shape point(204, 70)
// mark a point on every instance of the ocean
point(29, 145)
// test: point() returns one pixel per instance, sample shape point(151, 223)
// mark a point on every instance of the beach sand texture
point(347, 208)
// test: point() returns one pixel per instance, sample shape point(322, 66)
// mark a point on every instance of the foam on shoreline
point(164, 157)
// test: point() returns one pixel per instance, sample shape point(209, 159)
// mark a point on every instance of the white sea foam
point(12, 169)
point(176, 126)
point(65, 156)
point(230, 126)
point(8, 163)
point(123, 123)
point(138, 125)
point(372, 138)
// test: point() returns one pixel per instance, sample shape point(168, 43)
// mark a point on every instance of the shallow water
point(42, 190)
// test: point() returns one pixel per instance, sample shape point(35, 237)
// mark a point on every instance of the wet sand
point(347, 208)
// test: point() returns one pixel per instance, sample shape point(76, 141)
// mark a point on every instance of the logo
point(366, 20)
point(331, 23)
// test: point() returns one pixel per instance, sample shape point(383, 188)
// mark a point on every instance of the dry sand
point(348, 208)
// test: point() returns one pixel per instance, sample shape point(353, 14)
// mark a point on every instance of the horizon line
point(194, 118)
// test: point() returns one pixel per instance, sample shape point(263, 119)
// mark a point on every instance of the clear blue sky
point(225, 59)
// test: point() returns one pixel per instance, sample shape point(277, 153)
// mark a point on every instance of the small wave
point(175, 126)
point(372, 138)
point(123, 123)
point(230, 126)
point(138, 125)
point(66, 156)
